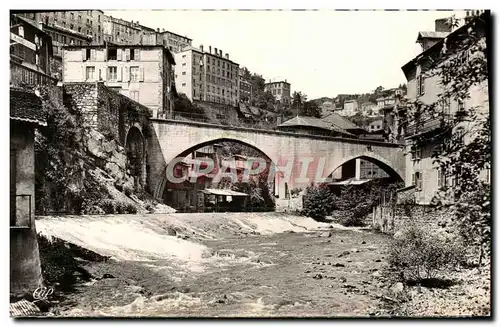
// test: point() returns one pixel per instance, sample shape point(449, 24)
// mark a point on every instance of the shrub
point(130, 208)
point(108, 206)
point(57, 262)
point(420, 254)
point(318, 202)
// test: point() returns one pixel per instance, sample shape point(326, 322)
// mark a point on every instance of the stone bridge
point(290, 152)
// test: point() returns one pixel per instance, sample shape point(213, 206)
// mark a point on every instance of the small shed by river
point(221, 200)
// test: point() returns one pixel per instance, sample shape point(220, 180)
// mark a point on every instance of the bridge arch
point(135, 147)
point(160, 186)
point(374, 158)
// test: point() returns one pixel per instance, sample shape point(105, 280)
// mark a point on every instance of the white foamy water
point(145, 237)
point(121, 240)
point(156, 306)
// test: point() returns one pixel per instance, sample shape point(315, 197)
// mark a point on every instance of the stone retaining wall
point(390, 219)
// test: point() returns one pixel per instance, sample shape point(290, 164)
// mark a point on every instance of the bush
point(419, 254)
point(318, 202)
point(57, 262)
point(108, 206)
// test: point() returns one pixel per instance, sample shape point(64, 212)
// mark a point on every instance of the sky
point(321, 53)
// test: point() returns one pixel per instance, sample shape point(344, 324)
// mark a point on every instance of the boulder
point(118, 158)
point(114, 170)
point(95, 148)
point(397, 289)
point(109, 146)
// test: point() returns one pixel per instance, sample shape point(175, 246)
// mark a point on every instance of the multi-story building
point(280, 90)
point(425, 87)
point(245, 87)
point(174, 42)
point(143, 73)
point(119, 31)
point(30, 52)
point(85, 22)
point(207, 76)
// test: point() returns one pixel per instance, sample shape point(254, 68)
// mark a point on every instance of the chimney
point(201, 47)
point(163, 30)
point(158, 30)
point(227, 56)
point(216, 52)
point(441, 25)
point(210, 49)
point(220, 53)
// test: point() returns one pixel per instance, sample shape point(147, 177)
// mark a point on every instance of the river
point(222, 265)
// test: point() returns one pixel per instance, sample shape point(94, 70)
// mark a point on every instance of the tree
point(298, 99)
point(311, 108)
point(464, 153)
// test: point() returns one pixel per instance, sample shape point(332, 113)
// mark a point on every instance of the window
point(441, 177)
point(21, 31)
point(134, 95)
point(112, 54)
point(420, 85)
point(72, 16)
point(417, 178)
point(79, 18)
point(134, 74)
point(416, 152)
point(183, 73)
point(90, 73)
point(71, 26)
point(183, 84)
point(461, 106)
point(112, 73)
point(37, 59)
point(87, 54)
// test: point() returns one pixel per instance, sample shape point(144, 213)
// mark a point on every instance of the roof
point(339, 121)
point(128, 46)
point(183, 36)
point(313, 122)
point(351, 181)
point(406, 67)
point(432, 35)
point(68, 30)
point(277, 82)
point(223, 192)
point(27, 107)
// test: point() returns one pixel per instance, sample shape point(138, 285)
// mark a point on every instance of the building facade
point(30, 53)
point(26, 115)
point(426, 88)
point(142, 73)
point(245, 87)
point(84, 22)
point(119, 31)
point(280, 90)
point(174, 42)
point(207, 76)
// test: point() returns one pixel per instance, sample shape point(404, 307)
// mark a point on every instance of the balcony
point(428, 124)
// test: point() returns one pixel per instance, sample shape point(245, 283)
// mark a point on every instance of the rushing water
point(222, 265)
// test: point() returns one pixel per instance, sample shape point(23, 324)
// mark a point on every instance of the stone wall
point(110, 112)
point(389, 219)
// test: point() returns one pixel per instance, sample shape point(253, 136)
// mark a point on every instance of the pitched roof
point(26, 106)
point(432, 35)
point(340, 122)
point(313, 122)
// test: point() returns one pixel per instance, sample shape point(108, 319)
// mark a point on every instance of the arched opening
point(215, 176)
point(364, 170)
point(135, 149)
